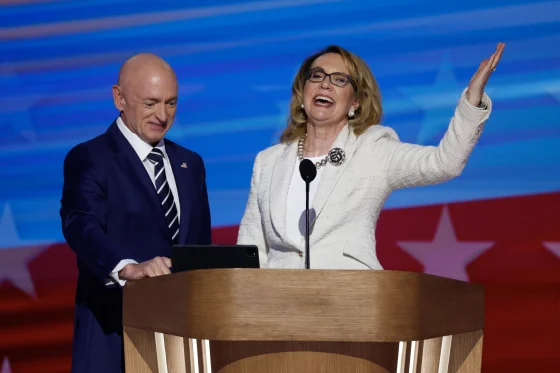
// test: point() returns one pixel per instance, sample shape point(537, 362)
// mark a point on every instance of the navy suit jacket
point(110, 211)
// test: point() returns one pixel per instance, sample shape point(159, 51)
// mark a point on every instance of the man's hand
point(151, 268)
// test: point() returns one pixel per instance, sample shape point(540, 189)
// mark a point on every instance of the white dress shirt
point(350, 197)
point(295, 210)
point(142, 149)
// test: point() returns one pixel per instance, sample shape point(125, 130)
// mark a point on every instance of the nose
point(326, 83)
point(161, 113)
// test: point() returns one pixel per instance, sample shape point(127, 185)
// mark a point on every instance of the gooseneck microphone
point(308, 172)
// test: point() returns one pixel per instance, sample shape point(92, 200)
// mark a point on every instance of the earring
point(351, 113)
point(302, 106)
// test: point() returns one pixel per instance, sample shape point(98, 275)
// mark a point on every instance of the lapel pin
point(183, 165)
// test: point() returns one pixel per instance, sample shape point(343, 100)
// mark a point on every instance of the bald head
point(142, 63)
point(146, 96)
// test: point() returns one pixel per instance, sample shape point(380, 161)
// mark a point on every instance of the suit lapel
point(130, 164)
point(347, 141)
point(183, 180)
point(282, 172)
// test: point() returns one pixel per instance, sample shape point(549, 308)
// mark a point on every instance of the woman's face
point(324, 102)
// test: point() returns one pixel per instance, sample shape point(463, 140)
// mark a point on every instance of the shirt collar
point(141, 148)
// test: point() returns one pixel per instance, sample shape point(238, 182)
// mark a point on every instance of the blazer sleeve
point(251, 231)
point(408, 165)
point(205, 237)
point(83, 213)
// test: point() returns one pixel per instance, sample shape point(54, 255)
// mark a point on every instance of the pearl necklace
point(336, 156)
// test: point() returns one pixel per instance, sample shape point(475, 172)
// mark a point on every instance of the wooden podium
point(266, 320)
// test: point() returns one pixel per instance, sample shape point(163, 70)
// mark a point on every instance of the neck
point(320, 139)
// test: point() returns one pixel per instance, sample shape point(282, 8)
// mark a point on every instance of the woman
point(335, 111)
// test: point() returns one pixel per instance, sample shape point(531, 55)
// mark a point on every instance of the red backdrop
point(510, 245)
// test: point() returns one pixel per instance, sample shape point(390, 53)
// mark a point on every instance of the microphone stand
point(307, 261)
point(308, 172)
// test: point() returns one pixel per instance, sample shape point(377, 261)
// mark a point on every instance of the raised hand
point(155, 267)
point(478, 81)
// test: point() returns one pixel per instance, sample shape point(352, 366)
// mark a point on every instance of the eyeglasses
point(338, 79)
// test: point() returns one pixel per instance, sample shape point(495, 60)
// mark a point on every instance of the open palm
point(480, 78)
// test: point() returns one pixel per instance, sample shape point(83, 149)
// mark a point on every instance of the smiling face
point(325, 103)
point(147, 98)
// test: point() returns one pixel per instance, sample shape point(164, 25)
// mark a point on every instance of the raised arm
point(409, 165)
point(251, 230)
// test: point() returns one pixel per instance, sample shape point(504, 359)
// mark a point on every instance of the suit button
point(479, 129)
point(100, 262)
point(300, 254)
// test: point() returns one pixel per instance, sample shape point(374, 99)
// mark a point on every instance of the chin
point(325, 119)
point(154, 138)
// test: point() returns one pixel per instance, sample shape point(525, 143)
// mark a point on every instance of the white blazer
point(350, 197)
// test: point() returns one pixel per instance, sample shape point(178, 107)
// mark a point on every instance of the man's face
point(147, 100)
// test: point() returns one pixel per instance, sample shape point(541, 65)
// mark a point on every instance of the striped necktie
point(164, 194)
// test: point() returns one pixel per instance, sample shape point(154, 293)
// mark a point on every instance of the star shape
point(15, 113)
point(6, 366)
point(445, 256)
point(16, 253)
point(554, 247)
point(437, 101)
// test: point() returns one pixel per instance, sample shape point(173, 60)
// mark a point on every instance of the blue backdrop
point(236, 61)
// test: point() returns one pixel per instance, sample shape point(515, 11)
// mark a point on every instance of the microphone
point(308, 172)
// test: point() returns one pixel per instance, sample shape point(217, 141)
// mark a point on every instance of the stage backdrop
point(496, 224)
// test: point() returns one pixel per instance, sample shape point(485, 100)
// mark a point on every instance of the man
point(128, 196)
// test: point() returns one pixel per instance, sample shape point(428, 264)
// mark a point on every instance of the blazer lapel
point(185, 186)
point(347, 141)
point(282, 172)
point(128, 161)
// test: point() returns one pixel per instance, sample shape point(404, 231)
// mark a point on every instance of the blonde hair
point(369, 111)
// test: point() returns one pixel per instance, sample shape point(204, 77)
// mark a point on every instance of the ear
point(118, 98)
point(355, 104)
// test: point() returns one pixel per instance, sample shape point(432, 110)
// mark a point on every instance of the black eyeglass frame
point(309, 71)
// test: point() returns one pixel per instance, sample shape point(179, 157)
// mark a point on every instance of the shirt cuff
point(485, 102)
point(114, 275)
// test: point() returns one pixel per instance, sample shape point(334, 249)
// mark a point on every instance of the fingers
point(496, 57)
point(149, 271)
point(489, 65)
point(482, 69)
point(158, 266)
point(167, 262)
point(484, 64)
point(163, 265)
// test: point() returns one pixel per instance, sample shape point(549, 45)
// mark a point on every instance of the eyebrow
point(174, 98)
point(323, 70)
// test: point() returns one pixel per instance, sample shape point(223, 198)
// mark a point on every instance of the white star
point(445, 256)
point(554, 247)
point(15, 254)
point(6, 366)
